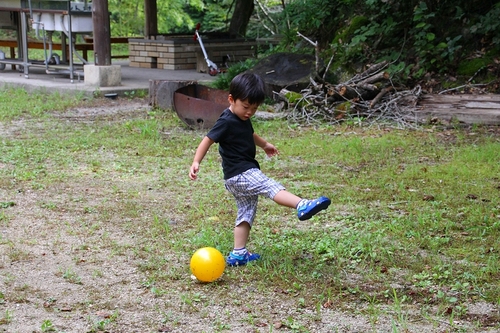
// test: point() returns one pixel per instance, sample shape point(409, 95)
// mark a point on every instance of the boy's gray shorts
point(246, 188)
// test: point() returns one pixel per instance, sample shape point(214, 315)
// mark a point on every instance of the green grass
point(17, 102)
point(415, 214)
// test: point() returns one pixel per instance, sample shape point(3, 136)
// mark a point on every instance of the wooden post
point(102, 33)
point(150, 15)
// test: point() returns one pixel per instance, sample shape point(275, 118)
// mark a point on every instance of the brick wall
point(186, 53)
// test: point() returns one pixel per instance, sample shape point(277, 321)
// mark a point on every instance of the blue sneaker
point(236, 260)
point(309, 208)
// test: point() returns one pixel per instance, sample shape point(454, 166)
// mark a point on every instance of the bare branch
point(266, 14)
point(316, 49)
point(315, 44)
point(328, 66)
point(464, 86)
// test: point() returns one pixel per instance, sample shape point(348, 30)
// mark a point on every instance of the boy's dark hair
point(248, 86)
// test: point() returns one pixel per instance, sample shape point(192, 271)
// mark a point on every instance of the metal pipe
point(38, 25)
point(71, 44)
point(51, 52)
point(2, 57)
point(24, 30)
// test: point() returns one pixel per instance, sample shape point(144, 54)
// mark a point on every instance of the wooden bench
point(113, 40)
point(82, 47)
point(12, 44)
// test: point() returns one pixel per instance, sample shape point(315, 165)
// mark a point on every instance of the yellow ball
point(207, 264)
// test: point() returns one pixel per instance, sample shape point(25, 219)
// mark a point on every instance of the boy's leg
point(241, 233)
point(247, 208)
point(305, 208)
point(287, 199)
point(239, 255)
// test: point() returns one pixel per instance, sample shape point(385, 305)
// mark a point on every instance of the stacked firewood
point(369, 97)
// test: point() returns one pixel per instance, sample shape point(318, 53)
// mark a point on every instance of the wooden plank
point(469, 105)
point(483, 105)
point(467, 116)
point(114, 40)
point(429, 98)
point(39, 45)
point(84, 47)
point(469, 109)
point(433, 106)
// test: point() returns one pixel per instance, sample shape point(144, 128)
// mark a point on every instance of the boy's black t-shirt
point(236, 144)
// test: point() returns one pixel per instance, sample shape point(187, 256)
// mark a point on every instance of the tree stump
point(161, 92)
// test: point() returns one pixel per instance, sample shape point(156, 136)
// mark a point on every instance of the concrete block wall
point(184, 53)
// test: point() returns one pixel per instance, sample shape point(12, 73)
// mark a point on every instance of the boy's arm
point(268, 148)
point(201, 151)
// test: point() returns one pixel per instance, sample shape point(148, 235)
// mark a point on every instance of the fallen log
point(350, 92)
point(375, 78)
point(468, 109)
point(380, 95)
point(369, 72)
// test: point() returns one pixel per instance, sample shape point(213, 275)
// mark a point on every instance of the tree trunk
point(241, 16)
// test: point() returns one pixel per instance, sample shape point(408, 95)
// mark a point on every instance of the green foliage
point(471, 66)
point(316, 19)
point(488, 26)
point(175, 16)
point(126, 17)
point(416, 37)
point(224, 80)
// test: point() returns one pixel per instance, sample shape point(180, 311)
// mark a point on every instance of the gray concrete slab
point(133, 79)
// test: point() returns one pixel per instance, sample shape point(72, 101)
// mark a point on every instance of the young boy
point(243, 178)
